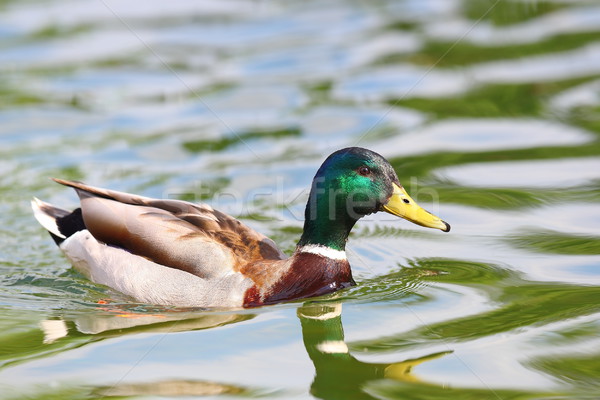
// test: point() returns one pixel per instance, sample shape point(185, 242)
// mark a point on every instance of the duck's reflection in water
point(338, 375)
point(120, 319)
point(168, 388)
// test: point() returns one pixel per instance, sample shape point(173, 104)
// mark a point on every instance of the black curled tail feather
point(71, 223)
point(58, 222)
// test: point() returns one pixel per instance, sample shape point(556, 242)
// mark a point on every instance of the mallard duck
point(172, 252)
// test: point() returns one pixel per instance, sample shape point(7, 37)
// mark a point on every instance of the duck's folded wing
point(178, 234)
point(149, 282)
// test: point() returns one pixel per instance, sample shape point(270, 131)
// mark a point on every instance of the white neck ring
point(323, 251)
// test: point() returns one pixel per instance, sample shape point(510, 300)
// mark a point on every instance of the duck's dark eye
point(364, 171)
point(406, 201)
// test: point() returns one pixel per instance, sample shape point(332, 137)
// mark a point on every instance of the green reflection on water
point(240, 137)
point(463, 53)
point(519, 303)
point(580, 371)
point(508, 12)
point(422, 165)
point(547, 241)
point(495, 100)
point(36, 285)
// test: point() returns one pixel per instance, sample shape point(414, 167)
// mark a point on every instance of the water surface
point(489, 111)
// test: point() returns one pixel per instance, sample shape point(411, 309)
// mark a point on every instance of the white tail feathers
point(44, 218)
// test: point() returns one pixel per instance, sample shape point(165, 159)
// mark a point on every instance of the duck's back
point(177, 234)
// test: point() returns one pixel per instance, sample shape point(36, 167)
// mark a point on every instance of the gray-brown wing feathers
point(178, 234)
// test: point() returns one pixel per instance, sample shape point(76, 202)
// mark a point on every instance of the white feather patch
point(44, 219)
point(323, 251)
point(333, 347)
point(336, 311)
point(53, 329)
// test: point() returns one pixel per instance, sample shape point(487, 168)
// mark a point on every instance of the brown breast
point(302, 275)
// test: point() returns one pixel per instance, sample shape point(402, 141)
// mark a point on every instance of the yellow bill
point(402, 205)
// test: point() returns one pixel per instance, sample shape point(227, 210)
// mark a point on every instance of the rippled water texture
point(489, 111)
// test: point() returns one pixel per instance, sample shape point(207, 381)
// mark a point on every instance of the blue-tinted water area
point(488, 110)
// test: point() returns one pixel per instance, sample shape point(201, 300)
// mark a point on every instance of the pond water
point(488, 110)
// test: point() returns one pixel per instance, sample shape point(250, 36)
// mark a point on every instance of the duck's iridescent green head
point(351, 183)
